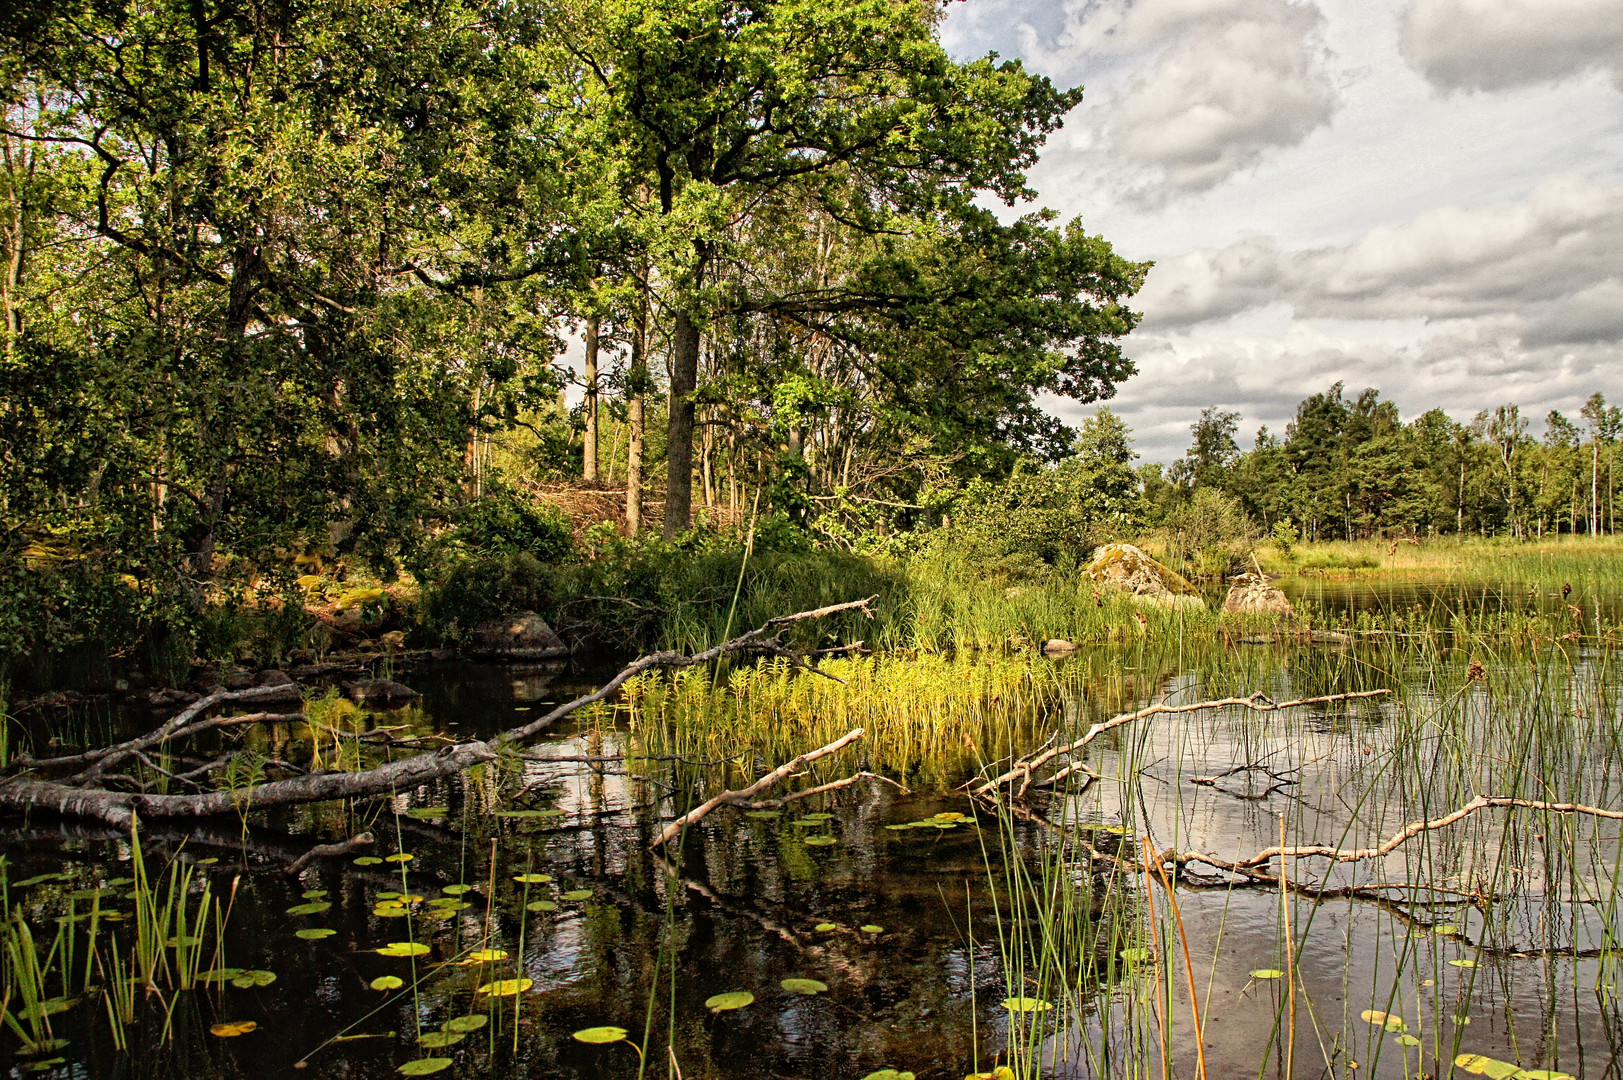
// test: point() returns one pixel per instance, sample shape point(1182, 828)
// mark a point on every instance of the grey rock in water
point(1057, 647)
point(364, 690)
point(1253, 594)
point(524, 636)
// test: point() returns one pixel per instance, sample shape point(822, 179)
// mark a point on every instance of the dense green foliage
point(287, 285)
point(1350, 468)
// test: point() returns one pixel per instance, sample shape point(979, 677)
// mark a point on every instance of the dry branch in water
point(1258, 702)
point(38, 784)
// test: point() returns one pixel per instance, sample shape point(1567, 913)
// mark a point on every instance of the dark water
point(625, 938)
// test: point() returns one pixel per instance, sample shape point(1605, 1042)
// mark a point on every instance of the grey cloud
point(1494, 44)
point(1564, 240)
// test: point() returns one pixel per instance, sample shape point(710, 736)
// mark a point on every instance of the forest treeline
point(1349, 467)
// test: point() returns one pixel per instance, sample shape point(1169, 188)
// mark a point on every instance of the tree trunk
point(635, 413)
point(679, 445)
point(589, 449)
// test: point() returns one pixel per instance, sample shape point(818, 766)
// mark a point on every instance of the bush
point(1208, 536)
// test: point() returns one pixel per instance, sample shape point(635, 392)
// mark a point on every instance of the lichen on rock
point(1130, 569)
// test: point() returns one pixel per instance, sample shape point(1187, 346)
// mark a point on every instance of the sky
point(1422, 196)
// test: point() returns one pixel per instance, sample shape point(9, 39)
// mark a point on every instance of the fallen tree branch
point(782, 771)
point(325, 851)
point(1258, 702)
point(771, 804)
point(79, 795)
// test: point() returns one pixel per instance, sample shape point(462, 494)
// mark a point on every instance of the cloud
point(1561, 242)
point(1494, 44)
point(1239, 80)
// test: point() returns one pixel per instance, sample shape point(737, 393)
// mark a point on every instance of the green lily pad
point(1482, 1065)
point(819, 841)
point(486, 956)
point(578, 894)
point(225, 974)
point(870, 928)
point(1408, 1040)
point(899, 827)
point(314, 933)
point(506, 987)
point(1462, 963)
point(1542, 1074)
point(387, 982)
point(315, 907)
point(944, 824)
point(807, 987)
point(399, 857)
point(825, 927)
point(388, 896)
point(457, 890)
point(541, 905)
point(1445, 928)
point(435, 1040)
point(367, 860)
point(1267, 973)
point(403, 948)
point(1384, 1020)
point(253, 978)
point(390, 911)
point(424, 1066)
point(806, 822)
point(423, 813)
point(888, 1074)
point(950, 815)
point(763, 815)
point(1027, 1005)
point(733, 999)
point(532, 879)
point(819, 816)
point(471, 1022)
point(314, 894)
point(600, 1035)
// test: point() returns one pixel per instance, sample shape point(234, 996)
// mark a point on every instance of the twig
point(768, 804)
point(764, 782)
point(1258, 702)
point(323, 851)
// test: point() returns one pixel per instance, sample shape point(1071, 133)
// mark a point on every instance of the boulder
point(525, 636)
point(1253, 594)
point(366, 690)
point(1058, 647)
point(1127, 568)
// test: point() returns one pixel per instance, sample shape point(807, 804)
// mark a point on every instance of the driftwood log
point(89, 785)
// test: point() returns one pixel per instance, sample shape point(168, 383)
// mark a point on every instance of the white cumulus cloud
point(1494, 44)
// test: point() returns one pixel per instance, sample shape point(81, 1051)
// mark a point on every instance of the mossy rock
point(1129, 569)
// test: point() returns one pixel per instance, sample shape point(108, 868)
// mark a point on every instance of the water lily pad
point(367, 860)
point(1445, 928)
point(314, 894)
point(232, 1029)
point(1134, 956)
point(89, 894)
point(950, 815)
point(1384, 1020)
point(541, 905)
point(871, 928)
point(403, 948)
point(486, 956)
point(506, 987)
point(440, 914)
point(763, 815)
point(423, 813)
point(1462, 963)
point(819, 816)
point(434, 1040)
point(388, 896)
point(399, 857)
point(1482, 1065)
point(387, 982)
point(1267, 973)
point(807, 987)
point(578, 894)
point(733, 999)
point(390, 911)
point(825, 927)
point(472, 1022)
point(900, 826)
point(600, 1034)
point(457, 890)
point(806, 822)
point(225, 974)
point(253, 977)
point(819, 841)
point(315, 907)
point(532, 879)
point(1027, 1005)
point(424, 1066)
point(888, 1074)
point(314, 933)
point(944, 824)
point(1408, 1040)
point(1542, 1074)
